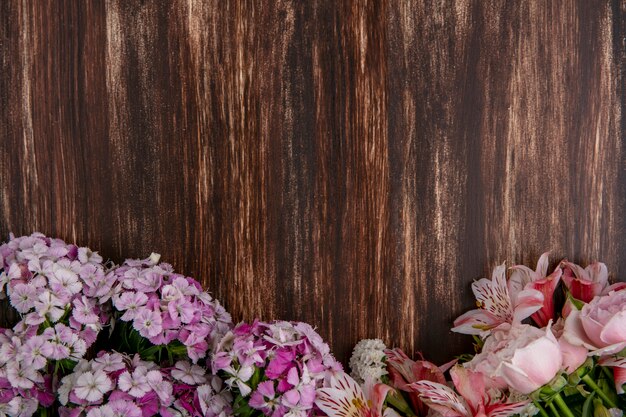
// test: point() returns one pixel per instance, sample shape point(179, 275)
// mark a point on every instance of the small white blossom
point(367, 361)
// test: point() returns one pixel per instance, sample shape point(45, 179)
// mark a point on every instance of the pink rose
point(600, 326)
point(521, 357)
point(573, 355)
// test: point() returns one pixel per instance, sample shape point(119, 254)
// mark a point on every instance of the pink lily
point(473, 401)
point(584, 284)
point(497, 304)
point(345, 398)
point(524, 278)
point(404, 371)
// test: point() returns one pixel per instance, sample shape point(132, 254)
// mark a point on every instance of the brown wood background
point(351, 164)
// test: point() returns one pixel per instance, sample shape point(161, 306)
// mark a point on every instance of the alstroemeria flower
point(403, 371)
point(497, 305)
point(345, 398)
point(523, 278)
point(584, 284)
point(474, 400)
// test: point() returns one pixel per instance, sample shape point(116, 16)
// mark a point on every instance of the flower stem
point(555, 412)
point(399, 404)
point(562, 406)
point(542, 411)
point(599, 391)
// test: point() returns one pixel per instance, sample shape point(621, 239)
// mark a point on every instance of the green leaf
point(242, 409)
point(587, 407)
point(257, 378)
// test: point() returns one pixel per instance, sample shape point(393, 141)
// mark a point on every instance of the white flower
point(92, 386)
point(189, 374)
point(239, 378)
point(367, 360)
point(135, 384)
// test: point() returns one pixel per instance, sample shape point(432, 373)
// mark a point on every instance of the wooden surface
point(355, 165)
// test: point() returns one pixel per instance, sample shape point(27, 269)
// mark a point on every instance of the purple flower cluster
point(276, 367)
point(23, 381)
point(116, 385)
point(47, 278)
point(61, 292)
point(164, 306)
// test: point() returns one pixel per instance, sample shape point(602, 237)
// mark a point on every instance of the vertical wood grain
point(353, 165)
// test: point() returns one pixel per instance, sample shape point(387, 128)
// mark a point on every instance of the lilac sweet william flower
point(62, 293)
point(136, 384)
point(84, 311)
point(165, 307)
point(141, 389)
point(130, 302)
point(189, 373)
point(213, 399)
point(23, 297)
point(35, 352)
point(148, 323)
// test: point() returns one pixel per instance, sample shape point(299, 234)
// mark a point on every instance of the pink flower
point(23, 297)
point(584, 284)
point(600, 326)
point(65, 276)
point(22, 376)
point(188, 373)
point(148, 323)
point(84, 311)
point(130, 302)
point(264, 398)
point(135, 384)
point(524, 278)
point(474, 401)
point(302, 393)
point(573, 356)
point(497, 304)
point(404, 371)
point(35, 352)
point(345, 398)
point(522, 357)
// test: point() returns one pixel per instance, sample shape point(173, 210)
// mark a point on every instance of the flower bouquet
point(545, 344)
point(534, 356)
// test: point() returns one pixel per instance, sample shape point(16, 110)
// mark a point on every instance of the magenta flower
point(264, 398)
